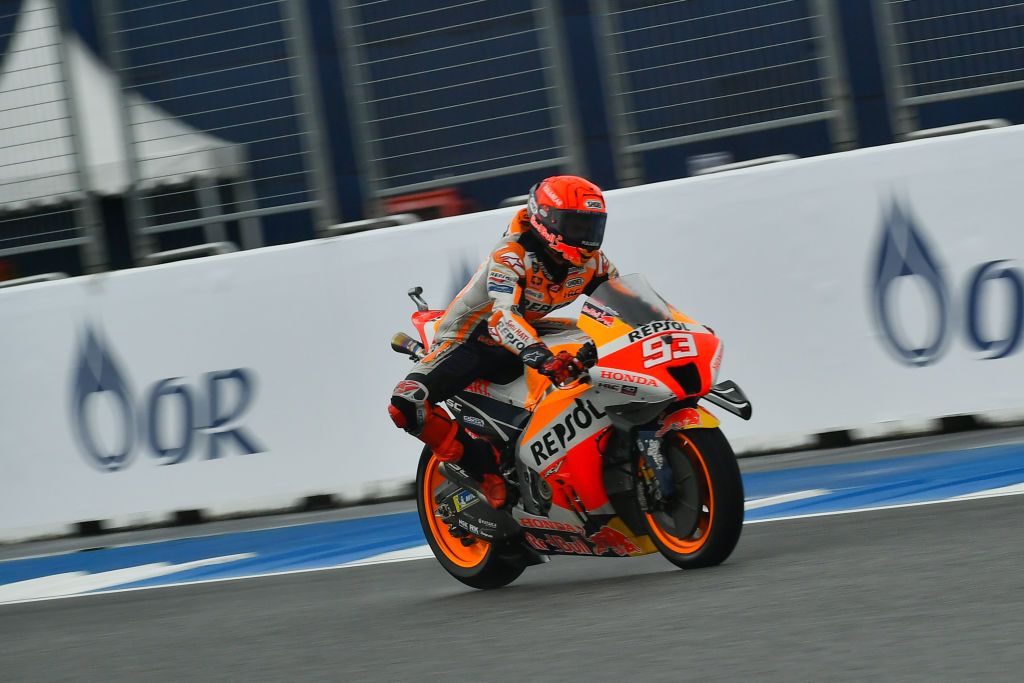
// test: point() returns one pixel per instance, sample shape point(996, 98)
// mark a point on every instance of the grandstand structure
point(134, 128)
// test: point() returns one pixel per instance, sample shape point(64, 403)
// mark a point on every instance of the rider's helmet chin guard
point(568, 213)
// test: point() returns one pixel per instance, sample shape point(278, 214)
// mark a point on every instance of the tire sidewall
point(727, 484)
point(425, 508)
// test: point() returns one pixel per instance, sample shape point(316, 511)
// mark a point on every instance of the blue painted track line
point(882, 483)
point(803, 491)
point(306, 546)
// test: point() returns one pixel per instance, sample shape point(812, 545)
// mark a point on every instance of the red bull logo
point(681, 419)
point(609, 539)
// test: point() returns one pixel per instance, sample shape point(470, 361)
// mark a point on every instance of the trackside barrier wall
point(851, 290)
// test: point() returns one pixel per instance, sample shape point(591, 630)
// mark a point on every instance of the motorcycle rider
point(549, 255)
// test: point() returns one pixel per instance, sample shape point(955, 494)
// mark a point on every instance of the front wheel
point(478, 564)
point(700, 524)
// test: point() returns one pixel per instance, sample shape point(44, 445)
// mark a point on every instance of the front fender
point(695, 417)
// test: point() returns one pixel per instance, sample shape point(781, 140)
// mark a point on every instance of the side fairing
point(562, 445)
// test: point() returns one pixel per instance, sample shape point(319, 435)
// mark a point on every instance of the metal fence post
point(629, 171)
point(902, 118)
point(357, 94)
point(836, 84)
point(568, 133)
point(140, 243)
point(94, 253)
point(314, 122)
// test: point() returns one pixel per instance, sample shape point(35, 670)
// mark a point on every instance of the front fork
point(657, 482)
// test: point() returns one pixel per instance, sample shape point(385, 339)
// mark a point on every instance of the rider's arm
point(506, 276)
point(603, 271)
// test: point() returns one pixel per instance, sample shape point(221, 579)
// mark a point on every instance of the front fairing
point(648, 352)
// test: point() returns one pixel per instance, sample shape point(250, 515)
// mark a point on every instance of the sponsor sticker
point(463, 499)
point(609, 539)
point(494, 277)
point(474, 420)
point(479, 386)
point(575, 423)
point(599, 314)
point(555, 199)
point(657, 328)
point(619, 376)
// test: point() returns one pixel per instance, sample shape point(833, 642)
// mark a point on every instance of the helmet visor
point(580, 228)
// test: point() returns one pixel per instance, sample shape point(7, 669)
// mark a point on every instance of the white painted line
point(993, 493)
point(755, 503)
point(1011, 490)
point(70, 584)
point(961, 499)
point(420, 552)
point(210, 534)
point(222, 579)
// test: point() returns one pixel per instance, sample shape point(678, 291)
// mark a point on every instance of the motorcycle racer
point(549, 255)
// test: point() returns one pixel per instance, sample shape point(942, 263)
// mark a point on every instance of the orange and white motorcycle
point(623, 461)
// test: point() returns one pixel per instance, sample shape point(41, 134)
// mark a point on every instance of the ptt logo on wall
point(905, 253)
point(175, 419)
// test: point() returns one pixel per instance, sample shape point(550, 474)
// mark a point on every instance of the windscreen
point(631, 299)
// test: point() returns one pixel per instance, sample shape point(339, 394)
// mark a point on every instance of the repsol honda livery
point(621, 461)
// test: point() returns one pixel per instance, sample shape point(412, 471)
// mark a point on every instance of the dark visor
point(580, 228)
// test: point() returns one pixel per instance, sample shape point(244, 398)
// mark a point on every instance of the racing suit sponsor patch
point(513, 261)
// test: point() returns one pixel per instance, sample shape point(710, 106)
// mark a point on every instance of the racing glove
point(561, 368)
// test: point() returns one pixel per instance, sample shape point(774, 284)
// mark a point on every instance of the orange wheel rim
point(696, 540)
point(466, 556)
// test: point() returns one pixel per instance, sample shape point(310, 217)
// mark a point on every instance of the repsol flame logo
point(98, 373)
point(174, 420)
point(903, 253)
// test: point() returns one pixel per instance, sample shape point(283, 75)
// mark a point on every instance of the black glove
point(561, 368)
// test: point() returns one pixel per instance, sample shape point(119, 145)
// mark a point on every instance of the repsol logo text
point(562, 433)
point(655, 328)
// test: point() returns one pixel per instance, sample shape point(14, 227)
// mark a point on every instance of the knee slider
point(408, 407)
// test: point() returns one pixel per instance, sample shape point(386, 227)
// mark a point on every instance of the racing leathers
point(487, 330)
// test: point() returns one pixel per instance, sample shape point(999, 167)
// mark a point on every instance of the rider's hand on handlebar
point(562, 368)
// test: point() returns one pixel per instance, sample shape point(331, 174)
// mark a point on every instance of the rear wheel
point(479, 564)
point(701, 523)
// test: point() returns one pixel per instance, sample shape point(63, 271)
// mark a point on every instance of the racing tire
point(703, 521)
point(480, 565)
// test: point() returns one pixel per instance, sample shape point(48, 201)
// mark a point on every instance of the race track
point(929, 592)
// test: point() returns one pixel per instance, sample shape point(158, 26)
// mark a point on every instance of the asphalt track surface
point(933, 592)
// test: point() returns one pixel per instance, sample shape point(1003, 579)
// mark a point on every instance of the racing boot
point(480, 461)
point(439, 431)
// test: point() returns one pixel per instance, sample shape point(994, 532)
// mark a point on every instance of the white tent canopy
point(38, 162)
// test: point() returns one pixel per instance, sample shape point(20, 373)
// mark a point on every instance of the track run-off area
point(899, 560)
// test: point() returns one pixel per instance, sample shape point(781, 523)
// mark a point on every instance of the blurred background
point(130, 128)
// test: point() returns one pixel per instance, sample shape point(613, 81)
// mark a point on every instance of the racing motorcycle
point(622, 461)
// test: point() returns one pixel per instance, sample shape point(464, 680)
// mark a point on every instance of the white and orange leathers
point(511, 289)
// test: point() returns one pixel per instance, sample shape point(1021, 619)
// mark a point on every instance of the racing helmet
point(568, 213)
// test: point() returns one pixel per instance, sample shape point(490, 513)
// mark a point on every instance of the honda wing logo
point(903, 253)
point(174, 420)
point(991, 325)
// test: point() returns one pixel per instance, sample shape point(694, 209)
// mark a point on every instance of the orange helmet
point(568, 213)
